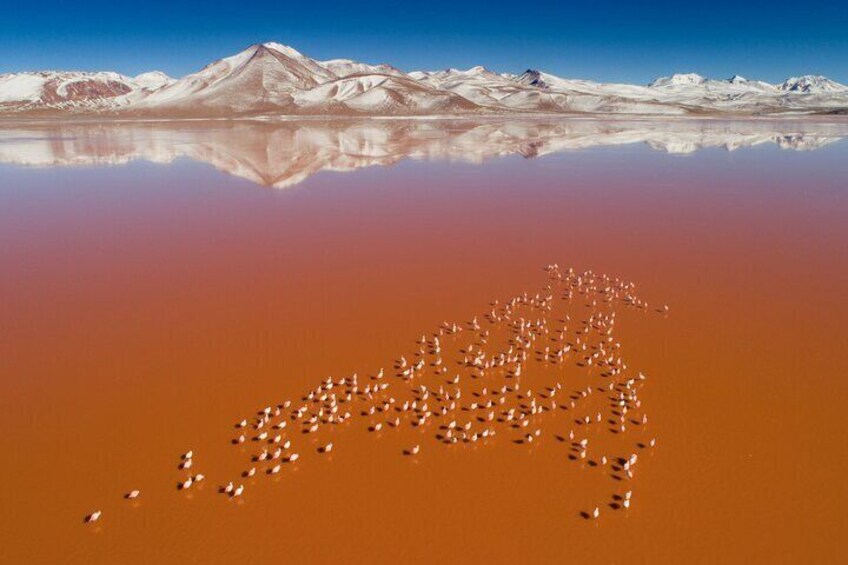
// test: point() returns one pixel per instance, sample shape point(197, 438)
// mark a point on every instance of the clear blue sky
point(616, 40)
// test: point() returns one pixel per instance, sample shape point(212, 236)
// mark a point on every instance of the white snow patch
point(23, 87)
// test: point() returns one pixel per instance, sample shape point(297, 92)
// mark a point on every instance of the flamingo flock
point(504, 373)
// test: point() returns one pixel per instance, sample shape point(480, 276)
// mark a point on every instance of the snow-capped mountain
point(345, 67)
point(73, 91)
point(382, 95)
point(811, 84)
point(273, 80)
point(534, 91)
point(738, 95)
point(680, 79)
point(261, 78)
point(153, 80)
point(477, 84)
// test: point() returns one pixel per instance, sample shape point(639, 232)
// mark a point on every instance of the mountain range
point(271, 80)
point(286, 153)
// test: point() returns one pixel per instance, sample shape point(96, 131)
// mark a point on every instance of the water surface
point(154, 291)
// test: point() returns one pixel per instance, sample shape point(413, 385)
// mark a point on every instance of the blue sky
point(611, 41)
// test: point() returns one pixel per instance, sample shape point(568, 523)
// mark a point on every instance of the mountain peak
point(152, 80)
point(284, 49)
point(679, 79)
point(811, 84)
point(476, 70)
point(532, 77)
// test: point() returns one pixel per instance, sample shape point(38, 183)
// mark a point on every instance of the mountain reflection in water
point(284, 154)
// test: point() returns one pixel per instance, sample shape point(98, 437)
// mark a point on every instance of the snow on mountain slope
point(21, 88)
point(692, 93)
point(576, 95)
point(478, 74)
point(551, 82)
point(742, 96)
point(812, 84)
point(680, 79)
point(259, 79)
point(477, 84)
point(80, 91)
point(534, 91)
point(153, 80)
point(345, 67)
point(751, 84)
point(554, 101)
point(693, 83)
point(271, 79)
point(318, 71)
point(382, 94)
point(62, 89)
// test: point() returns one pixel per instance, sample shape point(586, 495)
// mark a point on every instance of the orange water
point(146, 308)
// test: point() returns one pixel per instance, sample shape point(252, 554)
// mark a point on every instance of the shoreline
point(273, 119)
